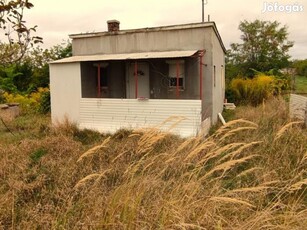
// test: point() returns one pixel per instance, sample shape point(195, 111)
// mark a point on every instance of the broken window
point(176, 73)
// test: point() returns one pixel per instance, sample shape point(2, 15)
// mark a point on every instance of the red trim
point(177, 80)
point(136, 78)
point(98, 82)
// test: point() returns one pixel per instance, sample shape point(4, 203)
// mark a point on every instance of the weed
point(248, 174)
point(37, 155)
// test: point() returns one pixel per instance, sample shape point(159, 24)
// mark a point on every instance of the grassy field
point(249, 174)
point(301, 84)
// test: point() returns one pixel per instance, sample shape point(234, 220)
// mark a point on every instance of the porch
point(156, 75)
point(132, 91)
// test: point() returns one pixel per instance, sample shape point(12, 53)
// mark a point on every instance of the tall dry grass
point(250, 174)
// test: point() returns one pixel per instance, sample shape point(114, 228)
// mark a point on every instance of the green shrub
point(37, 155)
point(45, 106)
point(255, 91)
point(2, 99)
point(38, 101)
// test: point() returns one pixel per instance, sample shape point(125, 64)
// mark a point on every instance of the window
point(176, 70)
point(222, 79)
point(214, 76)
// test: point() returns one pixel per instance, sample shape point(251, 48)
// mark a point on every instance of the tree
point(18, 34)
point(301, 67)
point(32, 71)
point(265, 47)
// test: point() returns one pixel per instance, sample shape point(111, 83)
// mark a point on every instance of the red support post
point(98, 82)
point(136, 78)
point(177, 80)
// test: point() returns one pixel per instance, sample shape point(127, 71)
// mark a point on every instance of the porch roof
point(128, 56)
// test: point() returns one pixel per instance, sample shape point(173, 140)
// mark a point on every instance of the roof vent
point(113, 25)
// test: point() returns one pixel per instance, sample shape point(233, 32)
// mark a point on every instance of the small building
point(141, 78)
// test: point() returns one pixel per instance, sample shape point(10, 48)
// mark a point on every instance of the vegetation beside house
point(248, 174)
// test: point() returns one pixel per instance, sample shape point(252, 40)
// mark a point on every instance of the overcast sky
point(56, 19)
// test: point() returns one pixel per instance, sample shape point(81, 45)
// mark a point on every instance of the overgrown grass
point(31, 126)
point(301, 84)
point(249, 174)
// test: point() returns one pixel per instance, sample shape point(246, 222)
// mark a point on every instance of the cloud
point(56, 19)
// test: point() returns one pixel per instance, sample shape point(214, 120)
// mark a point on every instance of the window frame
point(172, 73)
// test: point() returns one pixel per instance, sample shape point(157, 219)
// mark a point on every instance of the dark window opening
point(173, 82)
point(103, 77)
point(214, 76)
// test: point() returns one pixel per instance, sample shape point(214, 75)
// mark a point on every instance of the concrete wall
point(218, 81)
point(65, 89)
point(166, 40)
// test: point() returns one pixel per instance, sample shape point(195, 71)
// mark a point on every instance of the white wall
point(65, 89)
point(109, 115)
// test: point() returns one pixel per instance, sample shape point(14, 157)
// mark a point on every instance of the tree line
point(24, 69)
point(260, 66)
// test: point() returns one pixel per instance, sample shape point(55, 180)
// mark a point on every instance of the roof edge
point(128, 56)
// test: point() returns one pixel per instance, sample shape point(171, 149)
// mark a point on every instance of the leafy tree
point(18, 34)
point(7, 79)
point(39, 59)
point(265, 47)
point(32, 71)
point(301, 67)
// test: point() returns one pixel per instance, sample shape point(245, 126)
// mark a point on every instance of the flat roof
point(128, 56)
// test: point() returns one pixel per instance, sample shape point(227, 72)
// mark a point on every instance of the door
point(142, 81)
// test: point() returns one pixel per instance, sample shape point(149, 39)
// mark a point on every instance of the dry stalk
point(298, 185)
point(235, 153)
point(285, 128)
point(94, 149)
point(227, 166)
point(231, 201)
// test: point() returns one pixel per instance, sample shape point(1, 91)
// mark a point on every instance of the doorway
point(142, 81)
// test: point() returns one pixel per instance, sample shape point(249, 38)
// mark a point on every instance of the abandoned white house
point(141, 77)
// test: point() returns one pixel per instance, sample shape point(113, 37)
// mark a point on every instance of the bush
point(45, 106)
point(2, 99)
point(255, 91)
point(38, 101)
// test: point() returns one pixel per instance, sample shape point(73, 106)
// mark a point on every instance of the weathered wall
point(218, 84)
point(195, 38)
point(168, 40)
point(65, 89)
point(164, 40)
